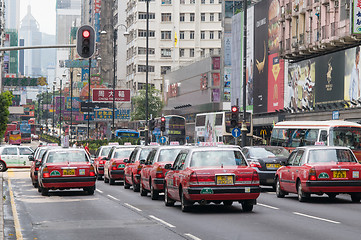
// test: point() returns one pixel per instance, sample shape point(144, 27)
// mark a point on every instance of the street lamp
point(115, 36)
point(53, 107)
point(146, 77)
point(47, 109)
point(244, 129)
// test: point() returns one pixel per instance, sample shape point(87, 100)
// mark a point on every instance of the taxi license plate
point(68, 172)
point(225, 180)
point(273, 165)
point(339, 174)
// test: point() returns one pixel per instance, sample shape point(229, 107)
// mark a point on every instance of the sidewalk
point(1, 208)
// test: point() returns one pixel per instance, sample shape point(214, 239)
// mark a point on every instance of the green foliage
point(155, 104)
point(5, 102)
point(49, 139)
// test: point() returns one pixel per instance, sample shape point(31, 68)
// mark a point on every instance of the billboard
point(106, 95)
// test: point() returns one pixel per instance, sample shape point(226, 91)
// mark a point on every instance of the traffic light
point(85, 41)
point(162, 124)
point(151, 124)
point(234, 116)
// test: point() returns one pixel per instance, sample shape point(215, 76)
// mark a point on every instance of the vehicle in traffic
point(36, 157)
point(14, 137)
point(292, 134)
point(102, 152)
point(133, 167)
point(25, 132)
point(34, 137)
point(114, 165)
point(9, 128)
point(153, 172)
point(126, 133)
point(14, 157)
point(266, 160)
point(66, 168)
point(320, 170)
point(211, 174)
point(175, 129)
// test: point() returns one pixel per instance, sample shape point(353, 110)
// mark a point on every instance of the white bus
point(216, 127)
point(291, 134)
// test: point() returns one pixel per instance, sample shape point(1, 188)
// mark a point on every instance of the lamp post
point(244, 129)
point(53, 107)
point(115, 37)
point(146, 77)
point(47, 109)
point(60, 116)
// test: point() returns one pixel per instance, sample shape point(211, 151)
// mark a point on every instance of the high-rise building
point(12, 14)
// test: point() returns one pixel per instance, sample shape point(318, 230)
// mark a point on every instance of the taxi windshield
point(123, 153)
point(217, 158)
point(260, 152)
point(67, 156)
point(168, 155)
point(330, 155)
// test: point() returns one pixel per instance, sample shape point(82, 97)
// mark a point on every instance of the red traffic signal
point(234, 116)
point(85, 42)
point(162, 124)
point(162, 119)
point(234, 109)
point(86, 33)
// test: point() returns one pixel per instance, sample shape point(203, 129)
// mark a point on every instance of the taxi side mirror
point(142, 161)
point(168, 166)
point(37, 164)
point(31, 158)
point(126, 160)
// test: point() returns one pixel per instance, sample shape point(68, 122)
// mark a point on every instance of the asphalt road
point(116, 213)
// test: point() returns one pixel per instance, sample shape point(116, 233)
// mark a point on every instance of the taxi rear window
point(168, 155)
point(330, 155)
point(105, 151)
point(68, 156)
point(123, 153)
point(217, 158)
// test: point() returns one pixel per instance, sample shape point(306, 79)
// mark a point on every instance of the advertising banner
point(227, 48)
point(227, 84)
point(250, 58)
point(76, 103)
point(260, 82)
point(106, 95)
point(216, 79)
point(57, 104)
point(234, 91)
point(85, 116)
point(356, 23)
point(216, 95)
point(352, 74)
point(122, 114)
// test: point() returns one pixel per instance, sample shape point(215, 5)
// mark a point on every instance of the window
point(181, 17)
point(211, 1)
point(219, 1)
point(143, 15)
point(192, 1)
point(182, 2)
point(143, 50)
point(219, 17)
point(203, 1)
point(166, 17)
point(211, 17)
point(203, 17)
point(191, 35)
point(219, 34)
point(25, 151)
point(211, 51)
point(192, 17)
point(211, 35)
point(143, 33)
point(164, 69)
point(166, 52)
point(143, 68)
point(203, 52)
point(203, 35)
point(166, 1)
point(166, 35)
point(181, 52)
point(181, 35)
point(10, 151)
point(191, 52)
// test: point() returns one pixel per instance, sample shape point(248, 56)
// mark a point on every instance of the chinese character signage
point(356, 28)
point(123, 114)
point(106, 95)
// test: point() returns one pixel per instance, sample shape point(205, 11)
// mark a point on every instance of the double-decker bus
point(25, 131)
point(15, 137)
point(9, 128)
point(292, 134)
point(216, 127)
point(175, 129)
point(126, 133)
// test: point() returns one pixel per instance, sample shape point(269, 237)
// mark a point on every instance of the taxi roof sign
point(52, 144)
point(174, 143)
point(154, 144)
point(127, 143)
point(113, 143)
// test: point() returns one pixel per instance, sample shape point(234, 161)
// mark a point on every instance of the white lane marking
point(113, 197)
point(192, 236)
point(135, 208)
point(317, 218)
point(100, 191)
point(267, 206)
point(273, 193)
point(162, 221)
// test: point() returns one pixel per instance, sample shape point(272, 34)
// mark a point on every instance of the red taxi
point(216, 174)
point(114, 165)
point(153, 172)
point(38, 154)
point(66, 168)
point(133, 167)
point(318, 170)
point(102, 152)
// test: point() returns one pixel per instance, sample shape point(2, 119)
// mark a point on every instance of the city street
point(116, 213)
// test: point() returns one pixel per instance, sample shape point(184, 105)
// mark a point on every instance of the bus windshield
point(345, 136)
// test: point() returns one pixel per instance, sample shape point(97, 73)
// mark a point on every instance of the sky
point(43, 11)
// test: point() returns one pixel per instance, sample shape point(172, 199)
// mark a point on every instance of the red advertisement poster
point(216, 79)
point(106, 95)
point(275, 82)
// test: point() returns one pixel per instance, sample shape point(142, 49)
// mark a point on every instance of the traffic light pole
point(244, 129)
point(90, 63)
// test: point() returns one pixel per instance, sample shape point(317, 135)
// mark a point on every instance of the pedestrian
point(75, 144)
point(86, 147)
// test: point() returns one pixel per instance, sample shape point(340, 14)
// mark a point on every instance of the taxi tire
point(126, 184)
point(279, 192)
point(185, 205)
point(136, 188)
point(39, 189)
point(356, 197)
point(99, 177)
point(90, 190)
point(35, 184)
point(302, 197)
point(167, 200)
point(154, 194)
point(247, 206)
point(142, 191)
point(44, 191)
point(111, 181)
point(2, 167)
point(331, 196)
point(227, 203)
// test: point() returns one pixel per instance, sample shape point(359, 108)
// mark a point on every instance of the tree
point(155, 104)
point(5, 102)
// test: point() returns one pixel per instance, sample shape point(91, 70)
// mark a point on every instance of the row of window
point(143, 68)
point(167, 17)
point(167, 35)
point(167, 52)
